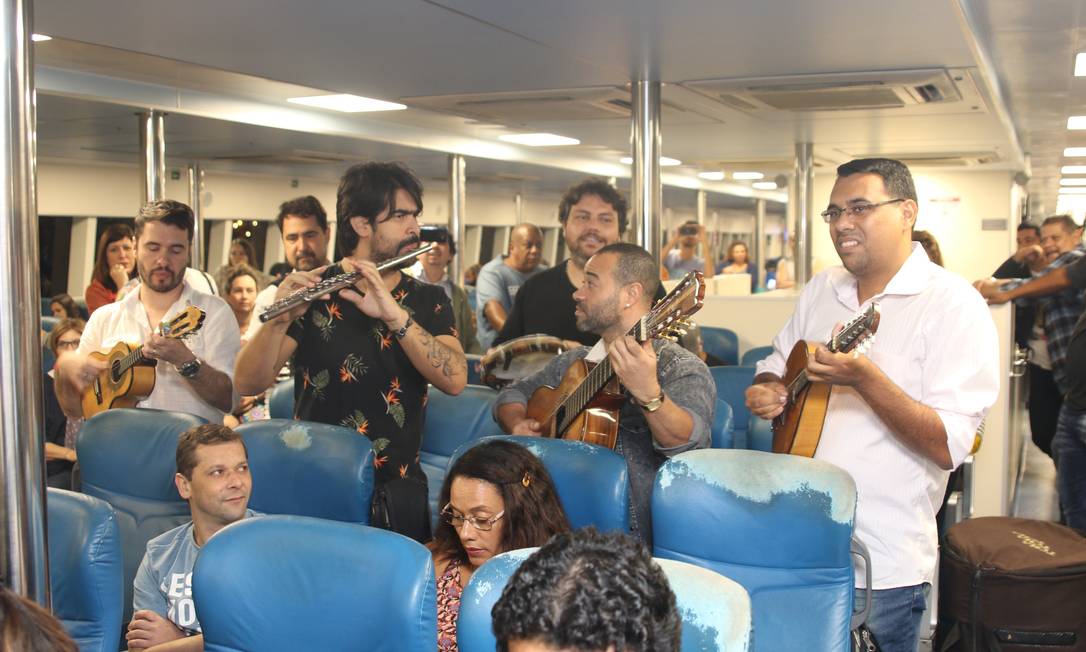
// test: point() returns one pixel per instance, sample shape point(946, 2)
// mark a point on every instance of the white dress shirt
point(264, 298)
point(216, 344)
point(936, 341)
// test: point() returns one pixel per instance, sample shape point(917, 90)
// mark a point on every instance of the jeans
point(1069, 446)
point(895, 616)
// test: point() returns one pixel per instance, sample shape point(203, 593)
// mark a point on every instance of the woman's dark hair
point(113, 233)
point(27, 627)
point(71, 311)
point(589, 591)
point(62, 327)
point(532, 511)
point(250, 250)
point(367, 190)
point(732, 246)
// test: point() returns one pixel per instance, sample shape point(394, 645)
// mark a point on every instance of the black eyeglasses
point(458, 520)
point(855, 211)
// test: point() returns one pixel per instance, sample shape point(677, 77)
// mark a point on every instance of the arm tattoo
point(441, 356)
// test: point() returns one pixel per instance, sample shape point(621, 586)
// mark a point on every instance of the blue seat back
point(715, 611)
point(298, 583)
point(47, 359)
point(474, 375)
point(759, 434)
point(592, 482)
point(780, 525)
point(731, 387)
point(49, 323)
point(722, 426)
point(752, 356)
point(452, 421)
point(309, 469)
point(721, 342)
point(281, 400)
point(85, 569)
point(127, 457)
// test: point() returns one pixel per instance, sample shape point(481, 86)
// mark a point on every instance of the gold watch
point(654, 404)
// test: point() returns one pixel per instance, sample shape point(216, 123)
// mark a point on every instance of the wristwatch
point(652, 405)
point(401, 331)
point(190, 368)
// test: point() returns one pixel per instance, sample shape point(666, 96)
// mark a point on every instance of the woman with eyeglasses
point(497, 497)
point(60, 432)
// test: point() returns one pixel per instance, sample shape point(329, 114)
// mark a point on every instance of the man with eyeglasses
point(903, 416)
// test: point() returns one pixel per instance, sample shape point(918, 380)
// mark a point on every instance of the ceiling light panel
point(347, 103)
point(539, 140)
point(747, 175)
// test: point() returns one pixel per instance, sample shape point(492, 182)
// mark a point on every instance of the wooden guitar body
point(112, 390)
point(798, 429)
point(597, 424)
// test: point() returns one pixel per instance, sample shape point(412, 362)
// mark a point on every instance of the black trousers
point(402, 505)
point(1045, 400)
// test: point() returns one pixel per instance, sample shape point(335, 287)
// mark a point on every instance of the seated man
point(552, 603)
point(213, 475)
point(499, 280)
point(669, 395)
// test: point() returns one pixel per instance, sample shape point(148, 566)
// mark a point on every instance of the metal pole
point(457, 190)
point(758, 251)
point(647, 195)
point(701, 209)
point(152, 155)
point(196, 186)
point(518, 207)
point(803, 200)
point(24, 549)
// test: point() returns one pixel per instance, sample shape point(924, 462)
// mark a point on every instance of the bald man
point(500, 279)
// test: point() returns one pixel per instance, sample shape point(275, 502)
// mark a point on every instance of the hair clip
point(526, 480)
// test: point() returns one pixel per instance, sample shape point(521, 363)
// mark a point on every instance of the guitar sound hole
point(559, 417)
point(115, 371)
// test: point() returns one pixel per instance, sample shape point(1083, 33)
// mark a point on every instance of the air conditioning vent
point(935, 159)
point(293, 157)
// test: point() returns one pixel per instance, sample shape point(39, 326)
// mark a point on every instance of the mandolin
point(585, 405)
point(130, 378)
point(798, 429)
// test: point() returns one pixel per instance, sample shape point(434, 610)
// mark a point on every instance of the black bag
point(863, 640)
point(1012, 585)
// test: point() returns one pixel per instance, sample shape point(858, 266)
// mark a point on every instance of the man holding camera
point(681, 259)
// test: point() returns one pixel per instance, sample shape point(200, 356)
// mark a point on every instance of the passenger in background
point(786, 268)
point(213, 476)
point(304, 226)
point(1029, 258)
point(471, 275)
point(738, 262)
point(194, 375)
point(114, 265)
point(278, 272)
point(240, 287)
point(930, 245)
point(63, 307)
point(670, 396)
point(900, 418)
point(242, 252)
point(680, 259)
point(27, 627)
point(501, 278)
point(554, 601)
point(60, 431)
point(433, 268)
point(692, 342)
point(365, 357)
point(497, 497)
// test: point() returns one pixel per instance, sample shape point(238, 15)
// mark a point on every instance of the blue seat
point(592, 481)
point(474, 377)
point(49, 323)
point(752, 356)
point(47, 359)
point(721, 342)
point(471, 297)
point(731, 387)
point(127, 457)
point(85, 574)
point(451, 421)
point(309, 469)
point(298, 583)
point(759, 434)
point(780, 525)
point(281, 400)
point(722, 426)
point(715, 611)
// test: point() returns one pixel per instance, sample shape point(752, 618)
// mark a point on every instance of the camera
point(688, 229)
point(434, 234)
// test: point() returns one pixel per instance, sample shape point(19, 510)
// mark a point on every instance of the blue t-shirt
point(497, 282)
point(678, 268)
point(163, 582)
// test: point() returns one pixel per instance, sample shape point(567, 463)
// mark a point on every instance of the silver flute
point(334, 283)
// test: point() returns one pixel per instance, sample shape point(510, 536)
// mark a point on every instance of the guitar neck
point(599, 376)
point(133, 358)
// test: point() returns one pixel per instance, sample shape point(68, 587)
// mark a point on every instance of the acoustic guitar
point(585, 405)
point(798, 429)
point(130, 378)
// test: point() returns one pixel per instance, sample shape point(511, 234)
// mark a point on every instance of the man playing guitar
point(669, 394)
point(901, 418)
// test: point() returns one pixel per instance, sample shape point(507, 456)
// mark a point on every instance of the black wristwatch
point(190, 368)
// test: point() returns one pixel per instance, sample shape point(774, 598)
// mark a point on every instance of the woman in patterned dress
point(497, 497)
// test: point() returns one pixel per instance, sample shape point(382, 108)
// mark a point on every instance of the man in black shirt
point(1029, 257)
point(363, 358)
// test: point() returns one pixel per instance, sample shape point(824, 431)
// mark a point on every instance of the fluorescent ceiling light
point(1073, 152)
point(1073, 191)
point(1076, 122)
point(1080, 64)
point(747, 175)
point(665, 161)
point(764, 185)
point(37, 38)
point(539, 140)
point(711, 176)
point(1073, 169)
point(347, 103)
point(1073, 182)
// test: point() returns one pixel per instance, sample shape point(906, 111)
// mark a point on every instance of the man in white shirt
point(902, 416)
point(193, 375)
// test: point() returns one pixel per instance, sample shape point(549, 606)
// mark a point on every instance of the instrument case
point(1012, 585)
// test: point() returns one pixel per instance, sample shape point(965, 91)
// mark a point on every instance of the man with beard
point(193, 375)
point(363, 358)
point(593, 215)
point(900, 418)
point(670, 395)
point(304, 226)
